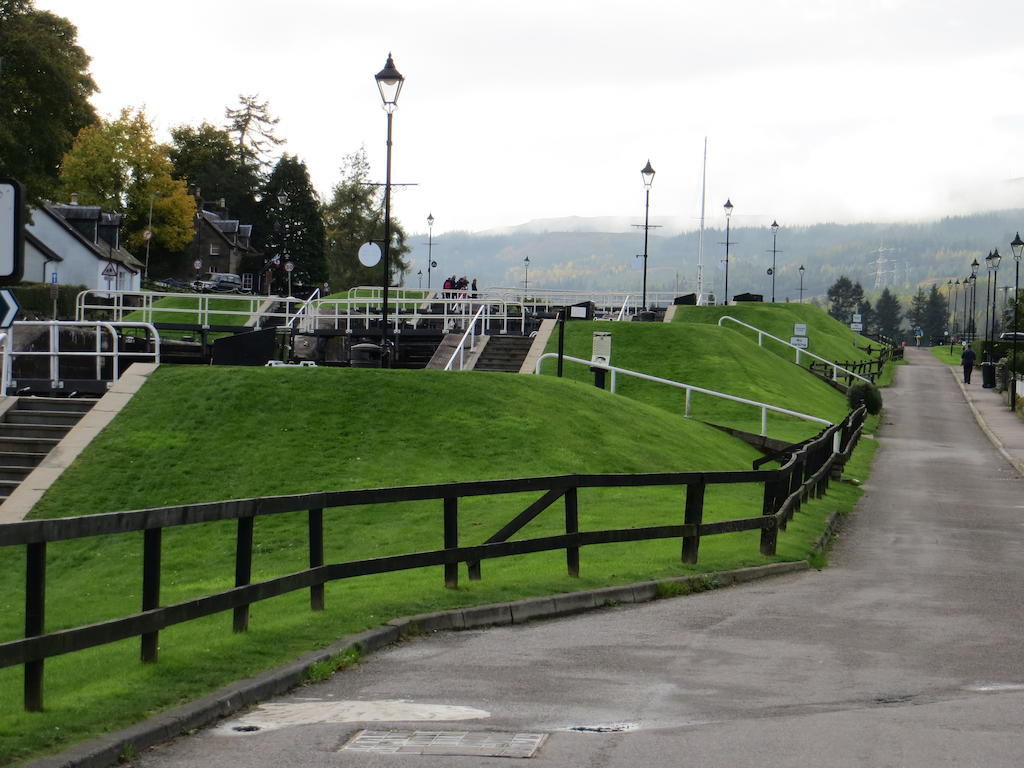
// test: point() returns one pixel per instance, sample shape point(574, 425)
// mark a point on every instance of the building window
point(215, 250)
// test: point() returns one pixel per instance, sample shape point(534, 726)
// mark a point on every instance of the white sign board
point(369, 254)
point(110, 270)
point(12, 243)
point(857, 319)
point(799, 341)
point(799, 329)
point(855, 326)
point(578, 312)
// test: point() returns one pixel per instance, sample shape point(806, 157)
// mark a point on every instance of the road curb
point(1017, 464)
point(107, 750)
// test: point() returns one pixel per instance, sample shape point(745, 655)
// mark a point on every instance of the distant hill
point(600, 254)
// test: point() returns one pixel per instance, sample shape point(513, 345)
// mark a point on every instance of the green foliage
point(355, 215)
point(35, 302)
point(319, 671)
point(119, 166)
point(929, 312)
point(206, 159)
point(889, 315)
point(844, 297)
point(298, 227)
point(45, 86)
point(252, 129)
point(862, 393)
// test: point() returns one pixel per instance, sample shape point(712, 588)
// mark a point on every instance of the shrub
point(862, 393)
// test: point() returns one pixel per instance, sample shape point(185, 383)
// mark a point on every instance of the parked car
point(1011, 335)
point(219, 282)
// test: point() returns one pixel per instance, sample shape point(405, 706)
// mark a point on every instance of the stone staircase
point(504, 353)
point(29, 430)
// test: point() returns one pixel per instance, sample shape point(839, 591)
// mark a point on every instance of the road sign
point(799, 329)
point(289, 266)
point(9, 307)
point(12, 231)
point(798, 341)
point(857, 326)
point(197, 264)
point(110, 270)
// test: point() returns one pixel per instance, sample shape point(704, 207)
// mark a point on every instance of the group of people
point(460, 284)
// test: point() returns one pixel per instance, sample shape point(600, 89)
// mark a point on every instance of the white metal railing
point(608, 303)
point(452, 309)
point(622, 312)
point(102, 351)
point(304, 313)
point(469, 335)
point(120, 304)
point(761, 334)
point(689, 388)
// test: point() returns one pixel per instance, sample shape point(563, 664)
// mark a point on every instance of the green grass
point(203, 434)
point(228, 314)
point(827, 337)
point(720, 359)
point(942, 354)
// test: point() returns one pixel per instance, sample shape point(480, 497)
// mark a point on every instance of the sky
point(813, 110)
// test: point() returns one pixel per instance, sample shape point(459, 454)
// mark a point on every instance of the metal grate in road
point(455, 743)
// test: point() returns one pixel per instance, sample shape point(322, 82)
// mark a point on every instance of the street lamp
point(965, 328)
point(801, 270)
point(389, 83)
point(775, 232)
point(430, 246)
point(728, 217)
point(419, 277)
point(1018, 247)
point(648, 176)
point(526, 277)
point(974, 299)
point(995, 279)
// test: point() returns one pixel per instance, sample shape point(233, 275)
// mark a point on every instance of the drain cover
point(467, 743)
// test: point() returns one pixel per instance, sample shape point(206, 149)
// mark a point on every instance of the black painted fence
point(804, 473)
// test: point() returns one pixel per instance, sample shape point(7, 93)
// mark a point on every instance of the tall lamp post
point(389, 82)
point(801, 270)
point(968, 283)
point(988, 288)
point(974, 299)
point(949, 312)
point(956, 307)
point(526, 276)
point(775, 232)
point(1018, 247)
point(647, 173)
point(995, 279)
point(430, 246)
point(728, 218)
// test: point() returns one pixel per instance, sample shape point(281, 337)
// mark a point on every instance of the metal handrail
point(622, 312)
point(470, 334)
point(303, 311)
point(55, 352)
point(689, 388)
point(760, 334)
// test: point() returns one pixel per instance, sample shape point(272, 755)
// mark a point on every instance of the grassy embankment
point(204, 434)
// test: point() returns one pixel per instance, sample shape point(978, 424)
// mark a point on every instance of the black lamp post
point(430, 246)
point(964, 328)
point(988, 287)
point(648, 176)
point(389, 82)
point(419, 277)
point(526, 276)
point(954, 329)
point(728, 218)
point(775, 232)
point(995, 279)
point(801, 270)
point(974, 299)
point(1018, 247)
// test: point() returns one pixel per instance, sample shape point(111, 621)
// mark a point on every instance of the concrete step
point(76, 405)
point(7, 487)
point(16, 474)
point(14, 459)
point(63, 418)
point(27, 445)
point(44, 431)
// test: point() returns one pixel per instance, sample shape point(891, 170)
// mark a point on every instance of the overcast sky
point(814, 110)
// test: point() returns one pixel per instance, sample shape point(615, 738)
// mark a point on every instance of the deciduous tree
point(206, 159)
point(44, 88)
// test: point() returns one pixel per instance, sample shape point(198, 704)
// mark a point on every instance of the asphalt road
point(905, 651)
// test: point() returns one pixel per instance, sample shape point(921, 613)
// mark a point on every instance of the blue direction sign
point(8, 307)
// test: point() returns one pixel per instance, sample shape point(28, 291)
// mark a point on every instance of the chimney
point(74, 198)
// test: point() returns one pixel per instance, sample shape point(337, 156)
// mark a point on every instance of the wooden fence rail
point(805, 472)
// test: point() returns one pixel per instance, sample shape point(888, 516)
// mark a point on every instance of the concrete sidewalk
point(991, 410)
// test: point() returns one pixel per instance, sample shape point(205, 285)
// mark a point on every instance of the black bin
point(365, 355)
point(988, 375)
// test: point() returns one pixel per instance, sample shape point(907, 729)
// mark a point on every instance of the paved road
point(906, 651)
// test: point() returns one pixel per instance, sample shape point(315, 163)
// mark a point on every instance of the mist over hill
point(600, 254)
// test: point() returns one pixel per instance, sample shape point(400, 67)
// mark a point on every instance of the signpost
point(8, 307)
point(12, 231)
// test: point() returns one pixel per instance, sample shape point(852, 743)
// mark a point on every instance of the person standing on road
point(967, 358)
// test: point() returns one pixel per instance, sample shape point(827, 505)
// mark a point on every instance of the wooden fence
point(804, 473)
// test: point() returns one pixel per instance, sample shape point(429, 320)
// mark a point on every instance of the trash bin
point(988, 375)
point(364, 355)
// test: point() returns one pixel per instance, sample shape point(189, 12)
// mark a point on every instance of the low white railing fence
point(469, 336)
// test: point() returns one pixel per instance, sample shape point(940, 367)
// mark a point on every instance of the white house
point(80, 245)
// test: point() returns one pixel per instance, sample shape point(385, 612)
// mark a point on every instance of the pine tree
point(844, 297)
point(289, 202)
point(889, 315)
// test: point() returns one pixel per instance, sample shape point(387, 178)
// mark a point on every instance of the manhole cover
point(464, 743)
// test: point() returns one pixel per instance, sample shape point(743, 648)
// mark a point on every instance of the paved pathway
point(905, 651)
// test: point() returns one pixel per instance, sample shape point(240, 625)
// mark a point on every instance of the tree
point(844, 297)
point(936, 317)
point(889, 315)
point(119, 166)
point(45, 87)
point(355, 216)
point(252, 129)
point(206, 159)
point(289, 201)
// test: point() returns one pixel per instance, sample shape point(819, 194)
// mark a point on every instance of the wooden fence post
point(572, 525)
point(35, 618)
point(316, 556)
point(451, 539)
point(243, 569)
point(151, 546)
point(770, 535)
point(693, 515)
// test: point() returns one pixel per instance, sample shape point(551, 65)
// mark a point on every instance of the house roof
point(64, 214)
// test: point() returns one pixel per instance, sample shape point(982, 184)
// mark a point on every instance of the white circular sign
point(197, 264)
point(289, 266)
point(369, 254)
